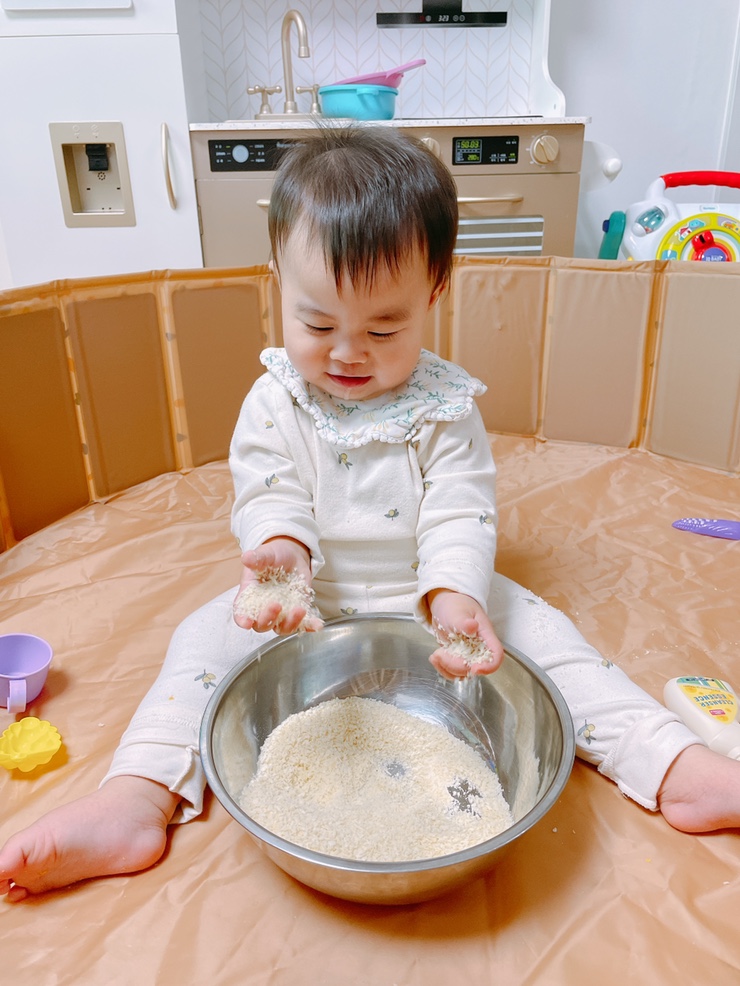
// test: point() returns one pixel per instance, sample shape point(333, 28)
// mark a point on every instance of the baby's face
point(361, 342)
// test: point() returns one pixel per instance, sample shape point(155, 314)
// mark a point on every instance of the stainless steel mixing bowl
point(515, 719)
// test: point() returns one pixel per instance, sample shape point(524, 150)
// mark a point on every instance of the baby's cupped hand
point(468, 642)
point(274, 592)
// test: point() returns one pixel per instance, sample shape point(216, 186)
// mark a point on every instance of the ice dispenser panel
point(93, 176)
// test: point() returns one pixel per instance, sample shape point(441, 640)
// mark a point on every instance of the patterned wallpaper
point(469, 71)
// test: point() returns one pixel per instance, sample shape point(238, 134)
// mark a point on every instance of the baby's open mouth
point(349, 381)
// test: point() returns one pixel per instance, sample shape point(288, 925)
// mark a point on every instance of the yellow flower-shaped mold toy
point(28, 743)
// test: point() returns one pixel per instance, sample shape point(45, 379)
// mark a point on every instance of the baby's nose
point(348, 351)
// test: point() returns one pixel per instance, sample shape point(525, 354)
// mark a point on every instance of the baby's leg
point(156, 776)
point(701, 791)
point(626, 733)
point(119, 829)
point(162, 740)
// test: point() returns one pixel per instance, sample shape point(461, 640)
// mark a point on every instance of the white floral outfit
point(393, 497)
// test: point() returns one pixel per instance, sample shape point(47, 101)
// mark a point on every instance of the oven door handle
point(461, 200)
point(474, 199)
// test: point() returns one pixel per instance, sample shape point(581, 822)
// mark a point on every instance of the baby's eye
point(383, 335)
point(318, 329)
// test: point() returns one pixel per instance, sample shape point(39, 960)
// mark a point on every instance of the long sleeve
point(273, 472)
point(457, 520)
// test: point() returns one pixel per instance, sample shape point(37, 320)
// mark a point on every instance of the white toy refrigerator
point(95, 171)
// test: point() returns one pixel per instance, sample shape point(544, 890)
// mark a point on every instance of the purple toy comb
point(729, 529)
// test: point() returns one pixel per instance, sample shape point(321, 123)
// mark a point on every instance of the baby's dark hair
point(369, 197)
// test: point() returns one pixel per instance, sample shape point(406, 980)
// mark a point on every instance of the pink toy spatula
point(390, 78)
point(729, 529)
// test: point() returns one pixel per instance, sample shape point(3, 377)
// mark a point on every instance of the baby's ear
point(437, 293)
point(274, 270)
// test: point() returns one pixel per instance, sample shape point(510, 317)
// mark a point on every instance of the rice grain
point(361, 779)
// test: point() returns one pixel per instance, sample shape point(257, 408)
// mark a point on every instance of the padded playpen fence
point(108, 382)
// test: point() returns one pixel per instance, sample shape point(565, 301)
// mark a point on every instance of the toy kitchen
point(123, 175)
point(513, 153)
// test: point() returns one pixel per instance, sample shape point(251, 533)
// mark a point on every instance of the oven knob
point(545, 149)
point(433, 145)
point(240, 153)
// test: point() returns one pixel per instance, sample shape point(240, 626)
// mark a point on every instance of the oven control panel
point(264, 154)
point(479, 151)
point(244, 154)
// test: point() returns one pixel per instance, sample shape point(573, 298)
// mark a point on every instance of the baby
point(362, 471)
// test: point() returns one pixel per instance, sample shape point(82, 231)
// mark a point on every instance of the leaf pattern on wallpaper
point(350, 54)
point(224, 54)
point(477, 84)
point(520, 57)
point(469, 71)
point(432, 74)
point(321, 22)
point(258, 21)
point(504, 76)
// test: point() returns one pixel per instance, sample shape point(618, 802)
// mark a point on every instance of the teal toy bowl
point(358, 102)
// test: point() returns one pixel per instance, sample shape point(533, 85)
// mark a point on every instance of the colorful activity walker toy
point(659, 229)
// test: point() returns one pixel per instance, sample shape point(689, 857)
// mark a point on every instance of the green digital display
point(485, 150)
point(468, 150)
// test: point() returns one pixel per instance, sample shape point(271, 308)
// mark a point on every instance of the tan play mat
point(601, 892)
point(117, 401)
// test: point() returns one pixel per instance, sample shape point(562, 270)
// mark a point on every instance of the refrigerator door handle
point(165, 134)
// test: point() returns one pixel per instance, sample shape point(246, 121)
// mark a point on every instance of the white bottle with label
point(709, 707)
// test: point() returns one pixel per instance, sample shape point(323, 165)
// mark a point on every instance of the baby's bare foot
point(701, 791)
point(120, 828)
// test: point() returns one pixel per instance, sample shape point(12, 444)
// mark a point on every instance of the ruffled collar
point(435, 391)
